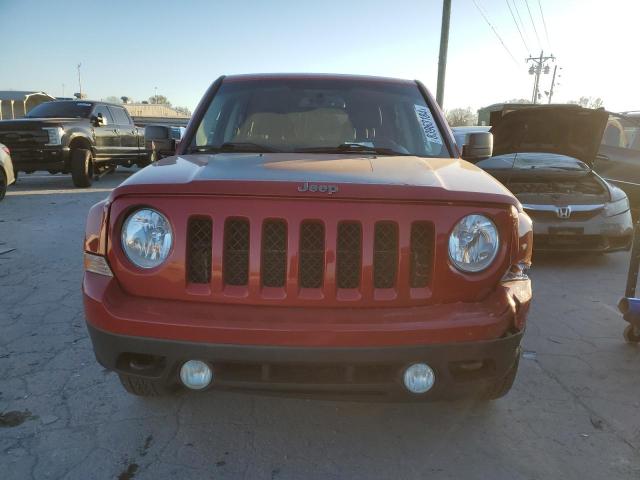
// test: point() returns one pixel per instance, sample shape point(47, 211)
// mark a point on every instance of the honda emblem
point(563, 212)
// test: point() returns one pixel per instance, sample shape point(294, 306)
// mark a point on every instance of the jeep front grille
point(235, 265)
point(199, 232)
point(350, 256)
point(274, 253)
point(422, 240)
point(385, 251)
point(311, 271)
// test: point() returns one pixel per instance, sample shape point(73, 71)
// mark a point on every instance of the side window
point(106, 114)
point(120, 116)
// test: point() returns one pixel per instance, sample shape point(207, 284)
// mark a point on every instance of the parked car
point(313, 234)
point(7, 176)
point(80, 137)
point(161, 140)
point(544, 156)
point(618, 159)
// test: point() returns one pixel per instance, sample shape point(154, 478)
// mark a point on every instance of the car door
point(618, 158)
point(127, 133)
point(106, 137)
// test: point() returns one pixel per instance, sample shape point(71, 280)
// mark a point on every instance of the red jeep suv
point(313, 234)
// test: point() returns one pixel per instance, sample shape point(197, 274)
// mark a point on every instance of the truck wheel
point(3, 184)
point(145, 387)
point(502, 385)
point(81, 167)
point(152, 157)
point(629, 332)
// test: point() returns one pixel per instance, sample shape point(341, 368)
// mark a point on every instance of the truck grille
point(384, 247)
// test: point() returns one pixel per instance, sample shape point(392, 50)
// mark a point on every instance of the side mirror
point(477, 146)
point(98, 121)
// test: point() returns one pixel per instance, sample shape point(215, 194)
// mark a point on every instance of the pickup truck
point(314, 234)
point(84, 138)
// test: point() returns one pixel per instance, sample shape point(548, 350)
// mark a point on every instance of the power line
point(533, 23)
point(546, 32)
point(518, 27)
point(515, 6)
point(486, 19)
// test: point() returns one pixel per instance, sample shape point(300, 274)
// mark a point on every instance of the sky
point(130, 47)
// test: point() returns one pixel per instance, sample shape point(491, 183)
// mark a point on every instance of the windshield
point(61, 109)
point(324, 116)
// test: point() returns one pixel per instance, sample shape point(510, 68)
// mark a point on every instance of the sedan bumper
point(586, 230)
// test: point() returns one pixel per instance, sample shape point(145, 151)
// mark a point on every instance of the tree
point(183, 111)
point(518, 100)
point(459, 117)
point(125, 99)
point(588, 102)
point(160, 100)
point(112, 99)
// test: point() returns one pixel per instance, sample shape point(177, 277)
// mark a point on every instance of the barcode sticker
point(428, 124)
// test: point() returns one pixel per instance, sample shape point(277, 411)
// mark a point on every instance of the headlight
point(617, 207)
point(55, 135)
point(146, 238)
point(474, 243)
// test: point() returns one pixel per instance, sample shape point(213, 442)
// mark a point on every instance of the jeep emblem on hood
point(314, 187)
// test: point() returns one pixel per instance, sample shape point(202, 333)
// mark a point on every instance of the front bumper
point(359, 351)
point(597, 234)
point(461, 368)
point(45, 158)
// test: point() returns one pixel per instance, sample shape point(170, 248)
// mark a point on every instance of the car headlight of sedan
point(146, 238)
point(473, 243)
point(617, 207)
point(55, 135)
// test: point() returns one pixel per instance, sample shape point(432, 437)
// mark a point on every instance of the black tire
point(630, 335)
point(152, 157)
point(145, 387)
point(81, 167)
point(502, 385)
point(3, 184)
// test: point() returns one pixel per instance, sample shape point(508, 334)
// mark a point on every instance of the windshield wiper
point(235, 147)
point(352, 147)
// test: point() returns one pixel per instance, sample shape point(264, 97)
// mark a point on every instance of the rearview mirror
point(477, 146)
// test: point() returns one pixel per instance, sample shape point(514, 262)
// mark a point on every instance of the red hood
point(285, 174)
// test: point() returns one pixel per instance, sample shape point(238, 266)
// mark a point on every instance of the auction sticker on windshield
point(428, 124)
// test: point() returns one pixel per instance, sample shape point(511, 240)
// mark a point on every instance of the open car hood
point(565, 130)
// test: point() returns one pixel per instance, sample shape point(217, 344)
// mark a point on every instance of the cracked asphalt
point(574, 412)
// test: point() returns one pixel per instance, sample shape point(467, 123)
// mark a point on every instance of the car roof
point(313, 76)
point(92, 102)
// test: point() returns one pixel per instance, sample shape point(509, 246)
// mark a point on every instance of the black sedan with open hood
point(544, 155)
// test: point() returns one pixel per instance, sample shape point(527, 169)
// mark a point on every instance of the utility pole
point(155, 95)
point(540, 65)
point(553, 83)
point(444, 45)
point(80, 81)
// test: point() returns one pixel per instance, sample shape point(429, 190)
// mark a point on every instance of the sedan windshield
point(61, 109)
point(320, 116)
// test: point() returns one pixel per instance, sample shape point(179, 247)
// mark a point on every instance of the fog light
point(196, 375)
point(419, 378)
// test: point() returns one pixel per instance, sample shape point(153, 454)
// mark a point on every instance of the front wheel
point(81, 167)
point(3, 184)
